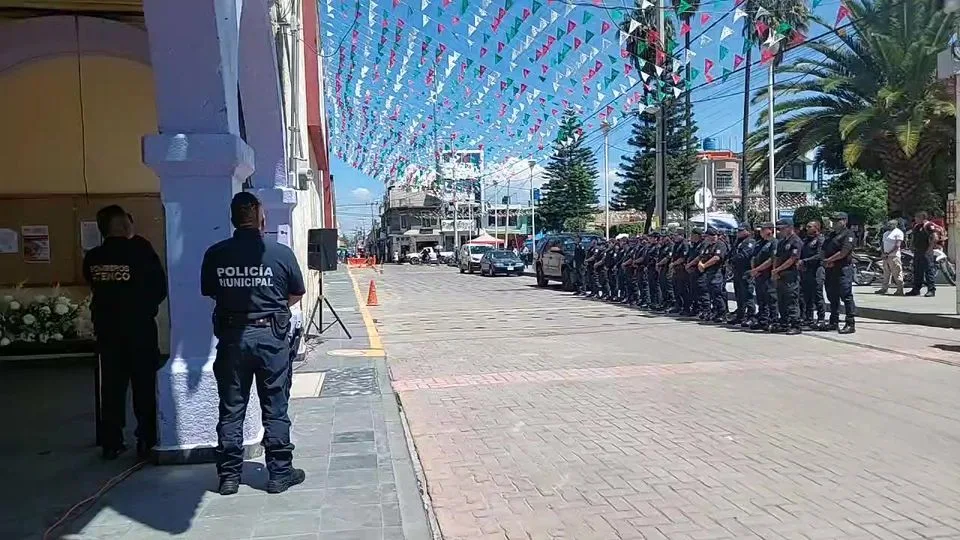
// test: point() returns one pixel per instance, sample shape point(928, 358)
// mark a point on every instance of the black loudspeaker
point(322, 249)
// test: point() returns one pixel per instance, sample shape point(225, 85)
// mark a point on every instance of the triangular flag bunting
point(604, 26)
point(724, 52)
point(704, 18)
point(842, 14)
point(737, 60)
point(725, 33)
point(738, 14)
point(684, 28)
point(726, 73)
point(684, 7)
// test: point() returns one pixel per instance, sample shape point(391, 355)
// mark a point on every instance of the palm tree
point(873, 101)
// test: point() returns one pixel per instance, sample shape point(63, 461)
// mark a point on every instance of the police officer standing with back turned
point(786, 277)
point(254, 283)
point(812, 278)
point(128, 285)
point(838, 261)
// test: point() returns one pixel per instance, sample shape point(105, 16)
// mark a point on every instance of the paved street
point(540, 415)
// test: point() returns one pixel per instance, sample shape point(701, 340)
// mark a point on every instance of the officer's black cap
point(712, 231)
point(696, 230)
point(743, 227)
point(655, 234)
point(784, 223)
point(767, 225)
point(838, 215)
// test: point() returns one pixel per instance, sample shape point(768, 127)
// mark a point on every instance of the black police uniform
point(693, 276)
point(640, 270)
point(839, 276)
point(924, 262)
point(653, 282)
point(788, 281)
point(128, 284)
point(681, 285)
point(812, 276)
point(742, 280)
point(251, 281)
point(589, 283)
point(663, 273)
point(712, 280)
point(579, 255)
point(616, 283)
point(767, 312)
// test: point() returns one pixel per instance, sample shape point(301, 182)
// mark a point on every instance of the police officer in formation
point(778, 278)
point(128, 284)
point(254, 283)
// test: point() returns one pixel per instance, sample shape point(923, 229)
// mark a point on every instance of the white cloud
point(361, 194)
point(516, 172)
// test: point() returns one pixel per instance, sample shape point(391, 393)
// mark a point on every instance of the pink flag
point(737, 60)
point(707, 64)
point(704, 18)
point(762, 28)
point(684, 29)
point(604, 27)
point(570, 26)
point(842, 14)
point(577, 42)
point(483, 51)
point(544, 69)
point(766, 55)
point(526, 72)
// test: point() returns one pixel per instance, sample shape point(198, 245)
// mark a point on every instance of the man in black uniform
point(812, 277)
point(838, 261)
point(663, 270)
point(128, 284)
point(742, 281)
point(678, 260)
point(589, 276)
point(693, 308)
point(579, 256)
point(767, 313)
point(711, 266)
point(651, 259)
point(925, 239)
point(786, 277)
point(254, 283)
point(640, 269)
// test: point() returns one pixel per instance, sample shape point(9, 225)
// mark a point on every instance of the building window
point(403, 223)
point(723, 182)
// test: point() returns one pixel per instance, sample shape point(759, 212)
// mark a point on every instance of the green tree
point(861, 194)
point(873, 102)
point(635, 189)
point(569, 194)
point(806, 214)
point(681, 162)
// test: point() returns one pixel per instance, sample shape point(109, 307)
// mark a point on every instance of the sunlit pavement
point(537, 414)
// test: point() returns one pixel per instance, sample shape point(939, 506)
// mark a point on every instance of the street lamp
point(660, 202)
point(533, 221)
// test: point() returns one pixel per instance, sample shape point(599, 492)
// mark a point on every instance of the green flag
point(588, 36)
point(464, 4)
point(724, 52)
point(497, 58)
point(536, 6)
point(726, 73)
point(684, 7)
point(587, 16)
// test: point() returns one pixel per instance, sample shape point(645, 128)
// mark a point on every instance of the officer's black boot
point(793, 331)
point(748, 323)
point(111, 454)
point(849, 327)
point(144, 450)
point(229, 486)
point(831, 326)
point(807, 324)
point(279, 485)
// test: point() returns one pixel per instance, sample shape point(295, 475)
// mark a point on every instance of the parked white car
point(470, 255)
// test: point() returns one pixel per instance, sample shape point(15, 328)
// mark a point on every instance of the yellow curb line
point(372, 335)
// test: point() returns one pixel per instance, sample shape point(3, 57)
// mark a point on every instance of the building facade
point(168, 107)
point(795, 184)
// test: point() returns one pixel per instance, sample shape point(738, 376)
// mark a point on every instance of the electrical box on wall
point(303, 179)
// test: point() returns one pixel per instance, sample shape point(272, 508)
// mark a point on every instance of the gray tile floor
point(351, 491)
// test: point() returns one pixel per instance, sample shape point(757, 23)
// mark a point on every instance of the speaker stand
point(316, 315)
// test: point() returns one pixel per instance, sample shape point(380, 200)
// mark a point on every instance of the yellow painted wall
point(42, 138)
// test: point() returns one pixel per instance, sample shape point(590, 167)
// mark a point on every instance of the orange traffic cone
point(372, 295)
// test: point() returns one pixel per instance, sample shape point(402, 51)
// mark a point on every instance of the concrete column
point(201, 161)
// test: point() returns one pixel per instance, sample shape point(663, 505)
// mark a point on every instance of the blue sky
point(502, 70)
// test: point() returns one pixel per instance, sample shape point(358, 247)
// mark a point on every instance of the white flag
point(725, 33)
point(739, 14)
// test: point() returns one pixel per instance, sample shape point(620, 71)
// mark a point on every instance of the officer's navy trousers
point(244, 356)
point(767, 311)
point(811, 281)
point(839, 285)
point(788, 298)
point(129, 357)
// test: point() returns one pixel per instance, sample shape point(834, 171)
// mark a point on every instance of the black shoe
point(915, 292)
point(279, 485)
point(229, 486)
point(930, 293)
point(111, 454)
point(830, 327)
point(848, 328)
point(774, 328)
point(144, 450)
point(719, 319)
point(736, 321)
point(807, 326)
point(748, 323)
point(793, 331)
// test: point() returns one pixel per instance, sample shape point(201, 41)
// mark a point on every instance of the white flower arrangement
point(43, 319)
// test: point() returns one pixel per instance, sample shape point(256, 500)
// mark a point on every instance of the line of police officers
point(778, 277)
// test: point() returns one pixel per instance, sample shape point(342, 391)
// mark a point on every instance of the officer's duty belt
point(229, 321)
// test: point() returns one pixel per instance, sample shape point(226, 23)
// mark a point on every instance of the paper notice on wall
point(283, 235)
point(8, 241)
point(89, 235)
point(36, 243)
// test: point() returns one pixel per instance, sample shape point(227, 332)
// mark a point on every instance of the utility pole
point(661, 180)
point(506, 225)
point(948, 67)
point(606, 178)
point(744, 173)
point(771, 147)
point(533, 222)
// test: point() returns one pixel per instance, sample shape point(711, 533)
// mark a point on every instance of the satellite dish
point(698, 198)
